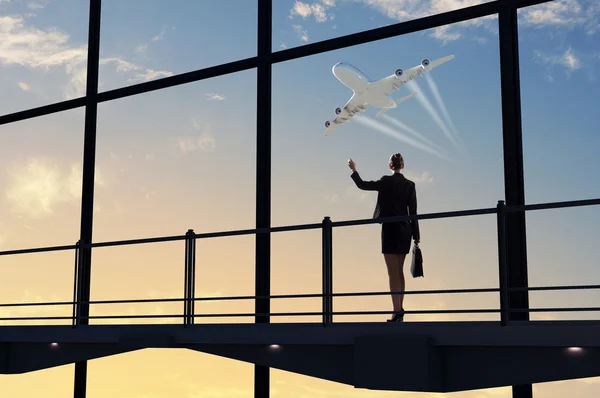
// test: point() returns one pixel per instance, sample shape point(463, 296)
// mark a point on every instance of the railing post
point(190, 278)
point(503, 269)
point(76, 282)
point(327, 272)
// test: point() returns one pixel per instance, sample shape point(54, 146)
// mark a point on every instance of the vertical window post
point(503, 280)
point(262, 375)
point(76, 283)
point(87, 195)
point(190, 277)
point(327, 272)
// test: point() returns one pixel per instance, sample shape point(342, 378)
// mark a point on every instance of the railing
point(327, 294)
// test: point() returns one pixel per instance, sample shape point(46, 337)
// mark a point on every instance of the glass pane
point(37, 278)
point(156, 271)
point(146, 40)
point(176, 159)
point(558, 68)
point(450, 136)
point(43, 52)
point(296, 23)
point(40, 180)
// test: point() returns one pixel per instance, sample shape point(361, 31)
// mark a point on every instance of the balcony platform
point(409, 356)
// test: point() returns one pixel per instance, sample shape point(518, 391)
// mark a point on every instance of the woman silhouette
point(396, 196)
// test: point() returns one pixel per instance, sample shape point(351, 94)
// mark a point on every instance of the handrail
point(327, 293)
point(298, 227)
point(300, 296)
point(313, 313)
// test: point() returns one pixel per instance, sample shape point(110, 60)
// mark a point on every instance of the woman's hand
point(351, 164)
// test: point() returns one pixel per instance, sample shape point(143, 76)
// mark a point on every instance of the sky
point(184, 158)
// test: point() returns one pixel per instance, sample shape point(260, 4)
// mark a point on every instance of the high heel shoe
point(398, 317)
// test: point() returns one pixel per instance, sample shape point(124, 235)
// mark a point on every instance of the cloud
point(442, 34)
point(148, 74)
point(331, 197)
point(302, 34)
point(424, 177)
point(36, 188)
point(557, 12)
point(141, 48)
point(317, 10)
point(283, 46)
point(214, 97)
point(569, 60)
point(568, 13)
point(77, 85)
point(22, 44)
point(161, 35)
point(28, 46)
point(203, 142)
point(365, 197)
point(24, 86)
point(36, 5)
point(404, 10)
point(137, 74)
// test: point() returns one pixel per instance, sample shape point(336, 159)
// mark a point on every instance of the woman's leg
point(402, 282)
point(396, 282)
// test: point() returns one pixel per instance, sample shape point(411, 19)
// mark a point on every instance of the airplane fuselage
point(368, 93)
point(358, 82)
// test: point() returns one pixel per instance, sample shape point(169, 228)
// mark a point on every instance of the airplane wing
point(393, 82)
point(438, 62)
point(354, 106)
point(399, 100)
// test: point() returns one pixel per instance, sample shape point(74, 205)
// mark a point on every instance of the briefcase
point(416, 268)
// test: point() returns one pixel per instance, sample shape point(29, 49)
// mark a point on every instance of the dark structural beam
point(401, 28)
point(263, 183)
point(87, 197)
point(42, 110)
point(514, 186)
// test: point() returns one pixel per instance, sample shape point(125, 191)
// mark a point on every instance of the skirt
point(396, 237)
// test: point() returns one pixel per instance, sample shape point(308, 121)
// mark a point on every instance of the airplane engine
point(327, 123)
point(338, 111)
point(425, 63)
point(399, 72)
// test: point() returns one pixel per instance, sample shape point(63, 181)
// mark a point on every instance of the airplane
point(366, 92)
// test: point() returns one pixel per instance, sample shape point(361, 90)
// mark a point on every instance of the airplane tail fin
point(399, 100)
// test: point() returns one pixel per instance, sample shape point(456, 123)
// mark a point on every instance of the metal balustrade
point(327, 293)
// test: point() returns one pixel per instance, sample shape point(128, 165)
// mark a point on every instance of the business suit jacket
point(396, 196)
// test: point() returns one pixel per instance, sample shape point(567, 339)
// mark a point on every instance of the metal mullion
point(87, 197)
point(263, 182)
